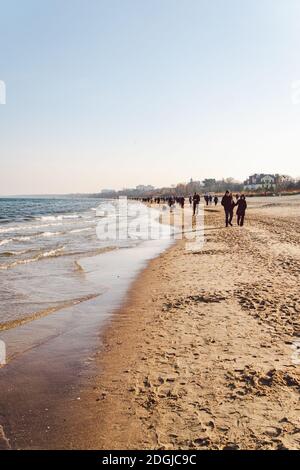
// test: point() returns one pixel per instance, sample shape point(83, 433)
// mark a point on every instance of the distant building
point(144, 188)
point(197, 182)
point(283, 180)
point(260, 181)
point(107, 191)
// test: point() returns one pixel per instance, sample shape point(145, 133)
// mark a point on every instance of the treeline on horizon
point(206, 186)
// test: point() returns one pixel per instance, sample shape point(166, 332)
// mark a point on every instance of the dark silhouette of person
point(228, 204)
point(196, 201)
point(233, 204)
point(216, 200)
point(241, 210)
point(171, 202)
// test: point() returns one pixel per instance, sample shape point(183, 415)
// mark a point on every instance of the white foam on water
point(78, 230)
point(51, 234)
point(5, 241)
point(47, 254)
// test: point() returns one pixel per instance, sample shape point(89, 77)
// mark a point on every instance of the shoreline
point(50, 358)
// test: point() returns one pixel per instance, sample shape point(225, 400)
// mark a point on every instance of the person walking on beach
point(228, 204)
point(171, 203)
point(216, 200)
point(196, 201)
point(241, 210)
point(233, 204)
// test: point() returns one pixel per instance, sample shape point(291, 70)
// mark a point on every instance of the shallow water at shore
point(57, 305)
point(112, 272)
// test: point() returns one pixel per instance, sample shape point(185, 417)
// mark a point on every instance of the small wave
point(52, 223)
point(43, 313)
point(5, 241)
point(51, 234)
point(97, 251)
point(51, 253)
point(48, 218)
point(17, 228)
point(23, 238)
point(78, 230)
point(44, 255)
point(7, 254)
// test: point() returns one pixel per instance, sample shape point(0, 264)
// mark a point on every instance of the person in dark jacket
point(228, 204)
point(196, 201)
point(171, 202)
point(216, 200)
point(233, 204)
point(241, 210)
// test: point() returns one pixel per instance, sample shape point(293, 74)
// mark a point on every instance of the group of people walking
point(229, 204)
point(209, 199)
point(173, 200)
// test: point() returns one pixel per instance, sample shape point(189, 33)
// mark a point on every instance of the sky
point(116, 93)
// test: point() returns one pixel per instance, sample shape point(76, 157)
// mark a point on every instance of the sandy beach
point(138, 312)
point(204, 353)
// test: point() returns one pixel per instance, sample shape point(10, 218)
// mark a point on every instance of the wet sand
point(202, 355)
point(50, 359)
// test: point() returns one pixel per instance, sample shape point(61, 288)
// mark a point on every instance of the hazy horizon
point(116, 93)
point(99, 190)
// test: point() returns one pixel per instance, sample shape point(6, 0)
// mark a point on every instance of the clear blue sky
point(115, 93)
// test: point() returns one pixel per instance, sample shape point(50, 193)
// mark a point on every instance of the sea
point(45, 241)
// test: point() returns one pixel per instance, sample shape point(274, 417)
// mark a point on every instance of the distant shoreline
point(99, 196)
